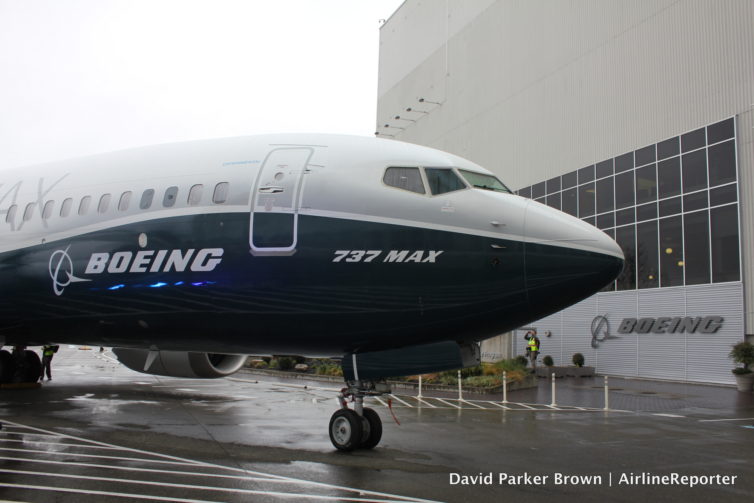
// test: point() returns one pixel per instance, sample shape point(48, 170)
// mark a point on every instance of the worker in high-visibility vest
point(47, 353)
point(532, 347)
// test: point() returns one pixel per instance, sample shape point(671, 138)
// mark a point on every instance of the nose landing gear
point(360, 427)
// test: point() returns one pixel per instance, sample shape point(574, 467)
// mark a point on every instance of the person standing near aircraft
point(47, 353)
point(532, 347)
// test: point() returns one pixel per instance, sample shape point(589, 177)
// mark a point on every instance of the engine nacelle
point(180, 363)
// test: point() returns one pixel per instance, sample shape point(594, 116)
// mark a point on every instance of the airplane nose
point(567, 259)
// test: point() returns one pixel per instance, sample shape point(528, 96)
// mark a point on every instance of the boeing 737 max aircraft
point(185, 257)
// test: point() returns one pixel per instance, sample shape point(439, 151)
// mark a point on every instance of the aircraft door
point(276, 196)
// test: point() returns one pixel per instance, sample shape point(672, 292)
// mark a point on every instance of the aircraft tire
point(33, 366)
point(7, 367)
point(373, 429)
point(346, 430)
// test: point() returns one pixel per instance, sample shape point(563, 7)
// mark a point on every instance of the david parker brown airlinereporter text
point(621, 479)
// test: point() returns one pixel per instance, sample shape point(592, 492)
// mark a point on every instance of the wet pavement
point(100, 432)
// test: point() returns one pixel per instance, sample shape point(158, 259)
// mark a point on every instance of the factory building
point(636, 117)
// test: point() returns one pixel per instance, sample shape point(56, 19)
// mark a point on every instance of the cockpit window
point(482, 181)
point(404, 178)
point(442, 180)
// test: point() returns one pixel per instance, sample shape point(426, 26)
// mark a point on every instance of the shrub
point(449, 378)
point(522, 360)
point(483, 381)
point(472, 371)
point(327, 368)
point(282, 362)
point(742, 353)
point(547, 360)
point(741, 371)
point(578, 359)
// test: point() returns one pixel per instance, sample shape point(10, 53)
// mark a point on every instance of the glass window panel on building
point(670, 207)
point(553, 200)
point(646, 184)
point(604, 168)
point(646, 212)
point(695, 201)
point(624, 190)
point(671, 251)
point(644, 155)
point(696, 247)
point(553, 185)
point(569, 180)
point(725, 254)
point(624, 217)
point(669, 177)
point(723, 195)
point(626, 239)
point(605, 195)
point(694, 170)
point(586, 200)
point(720, 131)
point(647, 255)
point(722, 163)
point(586, 174)
point(525, 192)
point(624, 162)
point(668, 148)
point(693, 140)
point(570, 202)
point(538, 190)
point(606, 220)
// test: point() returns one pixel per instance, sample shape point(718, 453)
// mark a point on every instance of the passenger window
point(84, 206)
point(442, 180)
point(11, 215)
point(47, 210)
point(195, 195)
point(125, 200)
point(146, 199)
point(104, 203)
point(404, 178)
point(221, 193)
point(170, 195)
point(29, 211)
point(65, 208)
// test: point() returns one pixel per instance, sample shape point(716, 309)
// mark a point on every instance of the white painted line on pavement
point(731, 419)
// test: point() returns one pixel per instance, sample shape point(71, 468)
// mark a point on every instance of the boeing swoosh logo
point(601, 331)
point(61, 271)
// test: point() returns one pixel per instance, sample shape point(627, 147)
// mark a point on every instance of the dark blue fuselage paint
point(446, 286)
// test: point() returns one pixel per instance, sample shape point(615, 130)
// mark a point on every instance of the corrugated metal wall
point(682, 357)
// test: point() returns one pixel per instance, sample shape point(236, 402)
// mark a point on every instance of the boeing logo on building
point(601, 330)
point(661, 325)
point(61, 271)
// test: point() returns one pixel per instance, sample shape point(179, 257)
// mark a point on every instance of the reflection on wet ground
point(100, 432)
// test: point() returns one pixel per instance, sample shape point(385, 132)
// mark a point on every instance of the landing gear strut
point(361, 426)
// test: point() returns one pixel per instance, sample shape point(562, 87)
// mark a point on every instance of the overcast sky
point(84, 76)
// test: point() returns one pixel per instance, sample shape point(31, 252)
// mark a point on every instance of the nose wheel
point(357, 428)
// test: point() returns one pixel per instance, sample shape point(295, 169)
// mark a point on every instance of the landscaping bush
point(578, 359)
point(483, 381)
point(742, 353)
point(547, 360)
